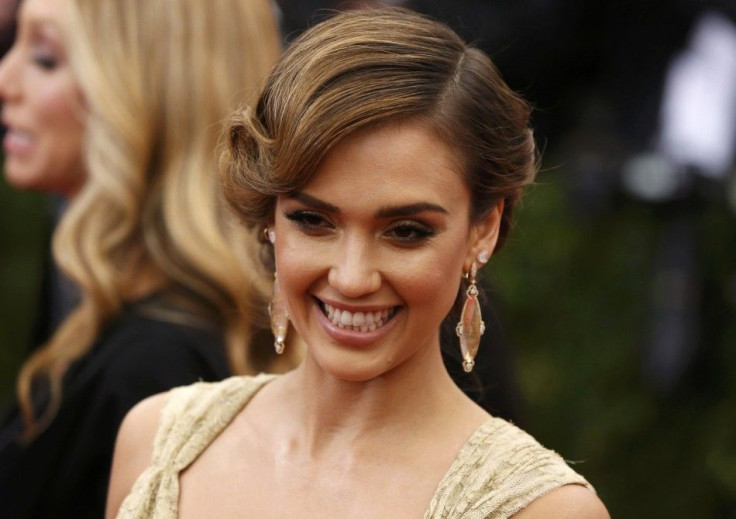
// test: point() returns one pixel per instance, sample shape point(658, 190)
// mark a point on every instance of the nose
point(354, 272)
point(8, 77)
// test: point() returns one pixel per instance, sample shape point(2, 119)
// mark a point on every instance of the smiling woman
point(42, 106)
point(377, 233)
point(382, 162)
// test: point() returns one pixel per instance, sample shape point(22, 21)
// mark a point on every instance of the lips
point(358, 321)
point(17, 142)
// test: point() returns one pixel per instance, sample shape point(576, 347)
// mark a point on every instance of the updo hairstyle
point(364, 68)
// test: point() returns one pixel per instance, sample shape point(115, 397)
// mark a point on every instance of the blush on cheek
point(437, 287)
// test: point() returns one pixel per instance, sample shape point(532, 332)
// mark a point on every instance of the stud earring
point(269, 234)
point(471, 325)
point(265, 235)
point(483, 257)
point(279, 316)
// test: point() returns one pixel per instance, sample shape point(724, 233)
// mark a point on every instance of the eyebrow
point(384, 212)
point(408, 210)
point(314, 203)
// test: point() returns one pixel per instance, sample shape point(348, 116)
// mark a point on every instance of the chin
point(355, 370)
point(21, 180)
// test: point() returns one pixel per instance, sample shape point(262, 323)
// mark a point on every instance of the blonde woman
point(383, 161)
point(117, 105)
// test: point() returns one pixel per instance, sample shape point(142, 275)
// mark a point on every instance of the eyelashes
point(406, 232)
point(411, 232)
point(308, 220)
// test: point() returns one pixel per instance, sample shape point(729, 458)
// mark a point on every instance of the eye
point(45, 59)
point(410, 232)
point(308, 220)
point(46, 62)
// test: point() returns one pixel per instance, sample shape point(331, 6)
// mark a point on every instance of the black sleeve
point(133, 361)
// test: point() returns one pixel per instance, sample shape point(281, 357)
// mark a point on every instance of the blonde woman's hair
point(157, 77)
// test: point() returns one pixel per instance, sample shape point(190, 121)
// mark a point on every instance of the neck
point(346, 414)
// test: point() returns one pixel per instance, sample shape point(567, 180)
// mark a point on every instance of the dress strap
point(498, 472)
point(191, 419)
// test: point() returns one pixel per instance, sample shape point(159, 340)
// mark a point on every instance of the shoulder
point(144, 334)
point(514, 455)
point(500, 471)
point(137, 357)
point(567, 502)
point(134, 448)
point(164, 434)
point(148, 356)
point(531, 481)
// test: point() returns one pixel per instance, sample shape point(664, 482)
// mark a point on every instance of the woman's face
point(370, 253)
point(41, 104)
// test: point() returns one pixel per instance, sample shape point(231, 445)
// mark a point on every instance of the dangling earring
point(471, 325)
point(279, 316)
point(277, 308)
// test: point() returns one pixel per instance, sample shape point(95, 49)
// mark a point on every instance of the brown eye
point(410, 232)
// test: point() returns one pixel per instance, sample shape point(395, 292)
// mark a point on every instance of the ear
point(483, 237)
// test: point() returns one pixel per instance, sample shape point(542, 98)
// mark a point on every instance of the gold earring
point(471, 325)
point(279, 316)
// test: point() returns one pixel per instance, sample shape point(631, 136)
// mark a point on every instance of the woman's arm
point(133, 449)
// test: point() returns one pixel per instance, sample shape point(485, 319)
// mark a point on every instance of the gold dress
point(499, 470)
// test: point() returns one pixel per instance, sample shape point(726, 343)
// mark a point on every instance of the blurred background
point(617, 289)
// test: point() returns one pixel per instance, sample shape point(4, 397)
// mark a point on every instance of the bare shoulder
point(133, 449)
point(566, 502)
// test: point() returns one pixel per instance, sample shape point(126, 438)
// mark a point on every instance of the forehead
point(42, 11)
point(393, 162)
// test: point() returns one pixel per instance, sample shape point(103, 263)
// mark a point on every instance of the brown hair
point(364, 68)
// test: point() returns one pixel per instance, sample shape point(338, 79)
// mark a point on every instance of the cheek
point(431, 281)
point(58, 101)
point(60, 114)
point(298, 265)
point(435, 286)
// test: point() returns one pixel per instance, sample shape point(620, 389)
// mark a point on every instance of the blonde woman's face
point(41, 104)
point(369, 255)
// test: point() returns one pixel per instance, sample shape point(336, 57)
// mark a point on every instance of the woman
point(117, 105)
point(383, 162)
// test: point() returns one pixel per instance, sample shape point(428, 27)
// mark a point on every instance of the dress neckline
point(465, 451)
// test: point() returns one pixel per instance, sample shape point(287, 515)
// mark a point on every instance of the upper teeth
point(363, 321)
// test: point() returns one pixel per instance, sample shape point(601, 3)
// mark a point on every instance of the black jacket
point(64, 471)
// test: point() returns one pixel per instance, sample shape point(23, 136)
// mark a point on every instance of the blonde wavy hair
point(157, 78)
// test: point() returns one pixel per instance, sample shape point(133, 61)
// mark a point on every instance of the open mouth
point(358, 321)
